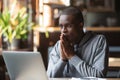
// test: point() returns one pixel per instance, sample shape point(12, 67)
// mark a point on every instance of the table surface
point(114, 62)
point(84, 79)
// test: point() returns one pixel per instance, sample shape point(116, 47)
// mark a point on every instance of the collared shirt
point(91, 59)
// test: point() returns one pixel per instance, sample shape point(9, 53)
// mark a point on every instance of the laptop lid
point(23, 65)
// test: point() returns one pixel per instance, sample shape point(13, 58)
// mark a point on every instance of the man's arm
point(56, 65)
point(100, 61)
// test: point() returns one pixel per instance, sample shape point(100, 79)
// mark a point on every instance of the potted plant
point(14, 26)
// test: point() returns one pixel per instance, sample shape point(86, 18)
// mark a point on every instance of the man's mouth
point(68, 37)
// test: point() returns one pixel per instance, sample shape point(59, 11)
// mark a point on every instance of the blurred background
point(32, 25)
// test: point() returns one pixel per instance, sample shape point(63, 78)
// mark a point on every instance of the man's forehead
point(67, 18)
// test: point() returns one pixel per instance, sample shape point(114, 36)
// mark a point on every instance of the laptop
point(24, 65)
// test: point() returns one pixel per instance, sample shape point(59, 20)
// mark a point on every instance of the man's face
point(70, 28)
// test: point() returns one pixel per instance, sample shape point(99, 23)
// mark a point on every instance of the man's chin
point(70, 40)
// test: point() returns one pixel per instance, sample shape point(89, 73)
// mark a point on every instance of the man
point(77, 54)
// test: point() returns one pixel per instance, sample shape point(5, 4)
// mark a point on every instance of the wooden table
point(114, 62)
point(84, 79)
point(114, 67)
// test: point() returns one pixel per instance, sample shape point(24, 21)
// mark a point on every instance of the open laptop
point(23, 65)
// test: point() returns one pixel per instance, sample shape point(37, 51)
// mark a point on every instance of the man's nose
point(64, 29)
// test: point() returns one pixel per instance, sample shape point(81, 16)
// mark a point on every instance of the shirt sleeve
point(100, 61)
point(55, 65)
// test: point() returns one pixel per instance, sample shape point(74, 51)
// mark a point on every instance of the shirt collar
point(86, 37)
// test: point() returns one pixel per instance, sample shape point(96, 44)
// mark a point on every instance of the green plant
point(14, 26)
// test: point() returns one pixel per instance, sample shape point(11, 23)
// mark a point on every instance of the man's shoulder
point(57, 43)
point(100, 36)
point(96, 35)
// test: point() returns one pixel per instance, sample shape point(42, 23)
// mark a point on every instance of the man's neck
point(80, 37)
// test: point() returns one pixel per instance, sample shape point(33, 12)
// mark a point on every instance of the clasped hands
point(67, 49)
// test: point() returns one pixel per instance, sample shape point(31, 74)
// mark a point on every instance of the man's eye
point(60, 26)
point(69, 25)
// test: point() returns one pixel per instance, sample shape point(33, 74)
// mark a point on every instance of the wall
point(100, 18)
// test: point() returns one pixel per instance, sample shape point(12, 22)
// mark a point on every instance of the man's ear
point(81, 24)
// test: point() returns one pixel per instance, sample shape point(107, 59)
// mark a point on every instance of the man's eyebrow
point(59, 25)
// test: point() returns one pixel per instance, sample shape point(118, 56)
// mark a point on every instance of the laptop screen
point(23, 65)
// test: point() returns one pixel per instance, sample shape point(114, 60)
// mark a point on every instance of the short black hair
point(74, 11)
